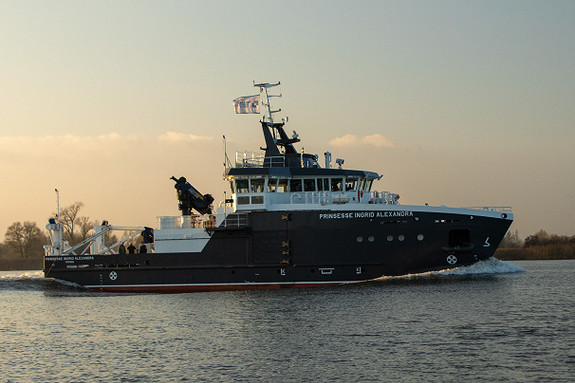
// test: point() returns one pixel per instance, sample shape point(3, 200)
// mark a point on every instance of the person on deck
point(132, 248)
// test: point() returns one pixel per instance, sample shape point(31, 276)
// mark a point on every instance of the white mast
point(265, 100)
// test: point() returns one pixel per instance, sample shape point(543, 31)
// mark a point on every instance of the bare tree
point(86, 228)
point(511, 240)
point(23, 237)
point(70, 219)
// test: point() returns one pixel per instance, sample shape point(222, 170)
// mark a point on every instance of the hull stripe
point(206, 287)
point(168, 285)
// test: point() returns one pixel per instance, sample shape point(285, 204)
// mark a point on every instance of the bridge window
point(257, 185)
point(296, 185)
point(283, 186)
point(336, 184)
point(323, 184)
point(243, 200)
point(309, 184)
point(272, 185)
point(351, 184)
point(367, 186)
point(242, 186)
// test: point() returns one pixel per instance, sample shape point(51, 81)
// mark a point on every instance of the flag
point(247, 104)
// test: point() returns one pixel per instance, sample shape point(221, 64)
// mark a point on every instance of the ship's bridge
point(262, 187)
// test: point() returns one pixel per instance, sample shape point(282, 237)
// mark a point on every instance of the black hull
point(298, 248)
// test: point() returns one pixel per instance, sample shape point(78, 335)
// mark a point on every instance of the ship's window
point(309, 184)
point(283, 186)
point(272, 185)
point(258, 199)
point(350, 184)
point(242, 186)
point(295, 185)
point(336, 184)
point(243, 200)
point(257, 185)
point(367, 186)
point(459, 238)
point(323, 184)
point(362, 184)
point(232, 186)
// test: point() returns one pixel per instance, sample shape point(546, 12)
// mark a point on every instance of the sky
point(457, 103)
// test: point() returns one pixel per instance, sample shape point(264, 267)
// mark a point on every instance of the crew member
point(132, 248)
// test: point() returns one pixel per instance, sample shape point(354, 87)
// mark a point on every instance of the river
point(492, 322)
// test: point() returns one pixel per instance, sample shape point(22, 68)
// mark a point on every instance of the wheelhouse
point(261, 191)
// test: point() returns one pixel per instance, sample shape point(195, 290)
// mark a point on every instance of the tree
point(3, 250)
point(76, 227)
point(511, 240)
point(24, 237)
point(86, 228)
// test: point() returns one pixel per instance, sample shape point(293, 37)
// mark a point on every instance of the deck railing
point(500, 209)
point(255, 160)
point(236, 220)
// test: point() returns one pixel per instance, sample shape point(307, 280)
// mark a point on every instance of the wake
point(491, 266)
point(488, 266)
point(34, 281)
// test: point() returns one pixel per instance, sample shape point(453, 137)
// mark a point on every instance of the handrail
point(500, 209)
point(254, 160)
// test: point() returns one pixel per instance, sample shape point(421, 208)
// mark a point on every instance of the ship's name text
point(70, 258)
point(366, 214)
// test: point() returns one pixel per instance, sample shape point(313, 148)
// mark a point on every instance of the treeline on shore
point(22, 248)
point(539, 246)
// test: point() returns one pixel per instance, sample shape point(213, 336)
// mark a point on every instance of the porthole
point(420, 237)
point(371, 238)
point(359, 239)
point(401, 238)
point(390, 238)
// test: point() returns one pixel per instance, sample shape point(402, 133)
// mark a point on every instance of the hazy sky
point(458, 103)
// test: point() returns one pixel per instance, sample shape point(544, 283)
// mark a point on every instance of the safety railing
point(236, 220)
point(499, 209)
point(255, 160)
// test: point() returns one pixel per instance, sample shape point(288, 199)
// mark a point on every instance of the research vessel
point(288, 221)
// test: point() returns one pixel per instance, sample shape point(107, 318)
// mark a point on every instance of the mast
point(265, 100)
point(274, 133)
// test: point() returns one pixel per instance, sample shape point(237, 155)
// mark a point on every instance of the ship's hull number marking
point(486, 244)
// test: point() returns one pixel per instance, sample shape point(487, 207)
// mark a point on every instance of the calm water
point(493, 322)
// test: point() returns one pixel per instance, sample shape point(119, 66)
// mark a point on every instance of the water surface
point(492, 322)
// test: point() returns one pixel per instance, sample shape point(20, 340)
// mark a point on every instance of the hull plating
point(293, 249)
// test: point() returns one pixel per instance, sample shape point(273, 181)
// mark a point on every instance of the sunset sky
point(458, 103)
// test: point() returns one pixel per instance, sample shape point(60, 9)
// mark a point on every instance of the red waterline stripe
point(173, 289)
